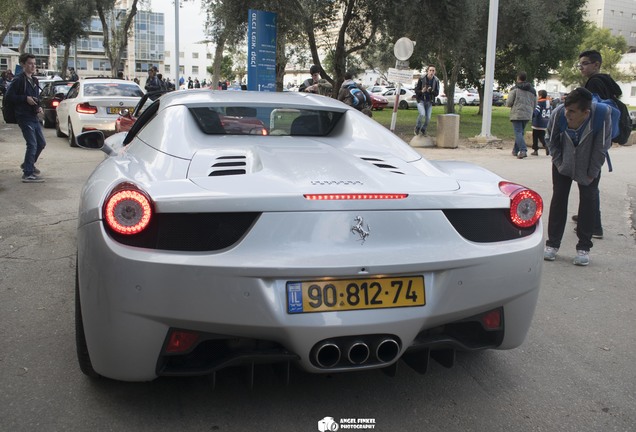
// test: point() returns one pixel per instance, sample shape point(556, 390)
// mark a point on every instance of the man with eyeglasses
point(24, 93)
point(603, 85)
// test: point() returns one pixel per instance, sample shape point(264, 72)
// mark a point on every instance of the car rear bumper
point(131, 298)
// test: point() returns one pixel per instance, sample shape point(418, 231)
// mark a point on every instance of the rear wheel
point(71, 136)
point(58, 132)
point(48, 123)
point(84, 359)
point(462, 101)
point(403, 105)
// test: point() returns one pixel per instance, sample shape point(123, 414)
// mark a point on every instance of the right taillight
point(526, 205)
point(128, 210)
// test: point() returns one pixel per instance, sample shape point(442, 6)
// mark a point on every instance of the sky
point(191, 20)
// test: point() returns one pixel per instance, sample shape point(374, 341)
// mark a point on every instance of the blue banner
point(261, 51)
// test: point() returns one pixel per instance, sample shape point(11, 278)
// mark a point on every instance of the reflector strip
point(353, 197)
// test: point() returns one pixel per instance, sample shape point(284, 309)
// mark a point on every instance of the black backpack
point(8, 108)
point(624, 124)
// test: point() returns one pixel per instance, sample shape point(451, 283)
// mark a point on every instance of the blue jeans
point(425, 109)
point(520, 142)
point(32, 133)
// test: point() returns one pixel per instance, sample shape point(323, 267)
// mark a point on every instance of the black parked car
point(50, 97)
point(498, 99)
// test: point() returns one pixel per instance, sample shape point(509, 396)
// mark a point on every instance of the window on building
point(101, 65)
point(633, 92)
point(195, 55)
point(166, 69)
point(167, 53)
point(208, 56)
point(181, 54)
point(195, 70)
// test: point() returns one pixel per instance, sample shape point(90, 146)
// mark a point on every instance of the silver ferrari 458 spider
point(240, 228)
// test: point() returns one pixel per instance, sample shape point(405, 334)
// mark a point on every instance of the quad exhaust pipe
point(355, 351)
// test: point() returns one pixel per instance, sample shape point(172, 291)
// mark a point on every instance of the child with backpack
point(353, 95)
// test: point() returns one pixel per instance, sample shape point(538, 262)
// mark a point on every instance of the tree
point(64, 22)
point(116, 25)
point(534, 38)
point(347, 27)
point(610, 47)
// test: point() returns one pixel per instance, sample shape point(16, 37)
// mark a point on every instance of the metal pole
point(176, 43)
point(490, 68)
point(395, 106)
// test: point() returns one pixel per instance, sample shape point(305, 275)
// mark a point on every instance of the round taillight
point(526, 206)
point(127, 211)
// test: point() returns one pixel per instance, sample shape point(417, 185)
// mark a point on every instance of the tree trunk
point(218, 59)
point(281, 62)
point(65, 60)
point(25, 39)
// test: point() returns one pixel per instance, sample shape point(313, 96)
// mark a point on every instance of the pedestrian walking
point(522, 100)
point(426, 90)
point(24, 93)
point(540, 118)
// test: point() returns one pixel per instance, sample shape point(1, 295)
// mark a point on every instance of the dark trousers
point(588, 198)
point(538, 135)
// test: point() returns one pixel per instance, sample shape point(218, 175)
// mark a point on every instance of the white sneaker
point(549, 253)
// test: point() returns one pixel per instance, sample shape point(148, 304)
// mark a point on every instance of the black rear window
point(264, 121)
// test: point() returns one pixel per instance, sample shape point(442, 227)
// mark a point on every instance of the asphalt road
point(575, 372)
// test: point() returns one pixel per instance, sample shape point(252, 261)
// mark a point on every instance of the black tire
point(462, 101)
point(84, 359)
point(48, 123)
point(71, 136)
point(403, 105)
point(58, 132)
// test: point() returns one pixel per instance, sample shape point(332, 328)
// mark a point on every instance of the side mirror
point(90, 140)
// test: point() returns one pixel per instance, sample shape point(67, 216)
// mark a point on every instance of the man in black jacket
point(24, 93)
point(426, 90)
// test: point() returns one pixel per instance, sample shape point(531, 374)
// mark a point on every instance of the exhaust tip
point(358, 353)
point(327, 355)
point(387, 350)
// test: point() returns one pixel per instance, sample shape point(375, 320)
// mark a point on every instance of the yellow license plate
point(116, 110)
point(355, 294)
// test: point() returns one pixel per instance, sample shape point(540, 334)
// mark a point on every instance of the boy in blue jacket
point(540, 118)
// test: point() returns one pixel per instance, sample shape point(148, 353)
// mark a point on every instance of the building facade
point(618, 16)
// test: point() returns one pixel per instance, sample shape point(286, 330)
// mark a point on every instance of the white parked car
point(466, 97)
point(230, 228)
point(95, 104)
point(407, 98)
point(379, 89)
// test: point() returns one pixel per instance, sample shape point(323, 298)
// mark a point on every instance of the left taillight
point(86, 108)
point(526, 205)
point(128, 210)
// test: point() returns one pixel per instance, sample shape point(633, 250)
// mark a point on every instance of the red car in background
point(378, 102)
